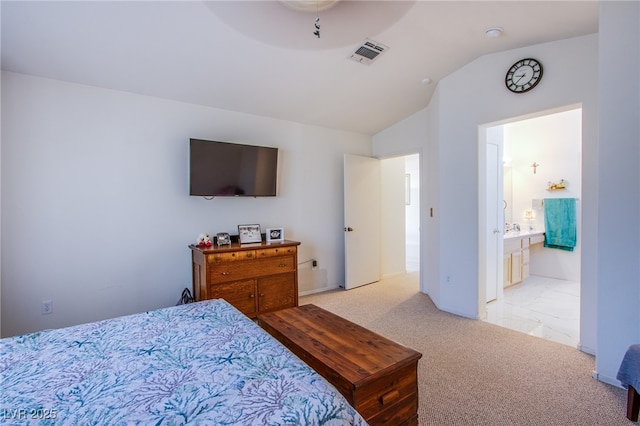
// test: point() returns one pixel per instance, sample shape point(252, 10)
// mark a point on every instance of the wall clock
point(524, 75)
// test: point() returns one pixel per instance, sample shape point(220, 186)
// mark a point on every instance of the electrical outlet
point(47, 307)
point(314, 265)
point(448, 279)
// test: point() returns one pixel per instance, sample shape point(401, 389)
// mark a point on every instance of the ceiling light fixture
point(309, 5)
point(493, 32)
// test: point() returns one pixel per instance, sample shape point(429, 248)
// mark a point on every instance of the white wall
point(96, 214)
point(618, 178)
point(553, 141)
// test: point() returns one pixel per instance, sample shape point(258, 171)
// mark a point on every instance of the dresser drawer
point(232, 271)
point(230, 256)
point(275, 251)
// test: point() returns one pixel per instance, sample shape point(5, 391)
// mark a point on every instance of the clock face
point(524, 75)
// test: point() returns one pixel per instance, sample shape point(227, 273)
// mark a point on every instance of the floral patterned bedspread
point(202, 363)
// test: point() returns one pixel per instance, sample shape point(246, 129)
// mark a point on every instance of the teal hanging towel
point(560, 223)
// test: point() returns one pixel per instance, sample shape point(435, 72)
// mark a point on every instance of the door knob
point(348, 229)
point(496, 231)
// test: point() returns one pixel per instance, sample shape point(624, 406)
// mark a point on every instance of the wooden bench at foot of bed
point(376, 375)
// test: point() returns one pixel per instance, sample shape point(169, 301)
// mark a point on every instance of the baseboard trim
point(587, 350)
point(606, 379)
point(318, 290)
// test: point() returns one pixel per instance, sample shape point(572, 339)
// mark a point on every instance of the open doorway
point(400, 215)
point(538, 288)
point(412, 212)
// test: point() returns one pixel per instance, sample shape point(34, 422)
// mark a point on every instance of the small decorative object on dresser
point(249, 234)
point(204, 240)
point(275, 235)
point(223, 238)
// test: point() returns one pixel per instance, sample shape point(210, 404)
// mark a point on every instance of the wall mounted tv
point(224, 169)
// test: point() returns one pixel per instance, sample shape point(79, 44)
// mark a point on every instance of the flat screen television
point(224, 169)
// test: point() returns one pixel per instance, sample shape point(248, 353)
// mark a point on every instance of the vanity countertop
point(521, 234)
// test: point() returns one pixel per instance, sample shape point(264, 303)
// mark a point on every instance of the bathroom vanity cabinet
point(516, 255)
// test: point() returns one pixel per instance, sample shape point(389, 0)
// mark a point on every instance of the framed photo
point(249, 234)
point(275, 234)
point(223, 238)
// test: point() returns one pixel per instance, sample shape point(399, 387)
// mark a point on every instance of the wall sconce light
point(535, 166)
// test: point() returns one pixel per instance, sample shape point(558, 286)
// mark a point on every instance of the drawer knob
point(389, 397)
point(225, 273)
point(282, 265)
point(251, 296)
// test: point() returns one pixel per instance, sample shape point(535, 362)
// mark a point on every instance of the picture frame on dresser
point(275, 235)
point(223, 238)
point(249, 234)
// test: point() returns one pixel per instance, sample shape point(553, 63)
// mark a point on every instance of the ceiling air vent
point(368, 52)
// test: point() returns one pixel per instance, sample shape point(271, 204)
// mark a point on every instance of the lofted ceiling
point(261, 57)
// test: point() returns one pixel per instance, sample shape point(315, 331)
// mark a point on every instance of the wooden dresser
point(376, 375)
point(255, 278)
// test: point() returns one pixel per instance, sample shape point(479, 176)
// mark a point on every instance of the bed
point(201, 363)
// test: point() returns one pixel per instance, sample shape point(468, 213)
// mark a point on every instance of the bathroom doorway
point(537, 152)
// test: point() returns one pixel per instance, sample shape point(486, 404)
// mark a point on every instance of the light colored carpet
point(475, 373)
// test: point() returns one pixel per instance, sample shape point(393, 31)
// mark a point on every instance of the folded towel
point(629, 372)
point(560, 223)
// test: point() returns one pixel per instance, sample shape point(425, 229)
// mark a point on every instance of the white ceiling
point(262, 58)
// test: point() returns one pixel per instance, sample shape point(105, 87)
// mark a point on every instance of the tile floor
point(540, 306)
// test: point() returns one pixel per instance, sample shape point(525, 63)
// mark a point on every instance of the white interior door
point(361, 220)
point(494, 217)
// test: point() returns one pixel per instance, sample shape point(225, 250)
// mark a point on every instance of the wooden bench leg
point(633, 404)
